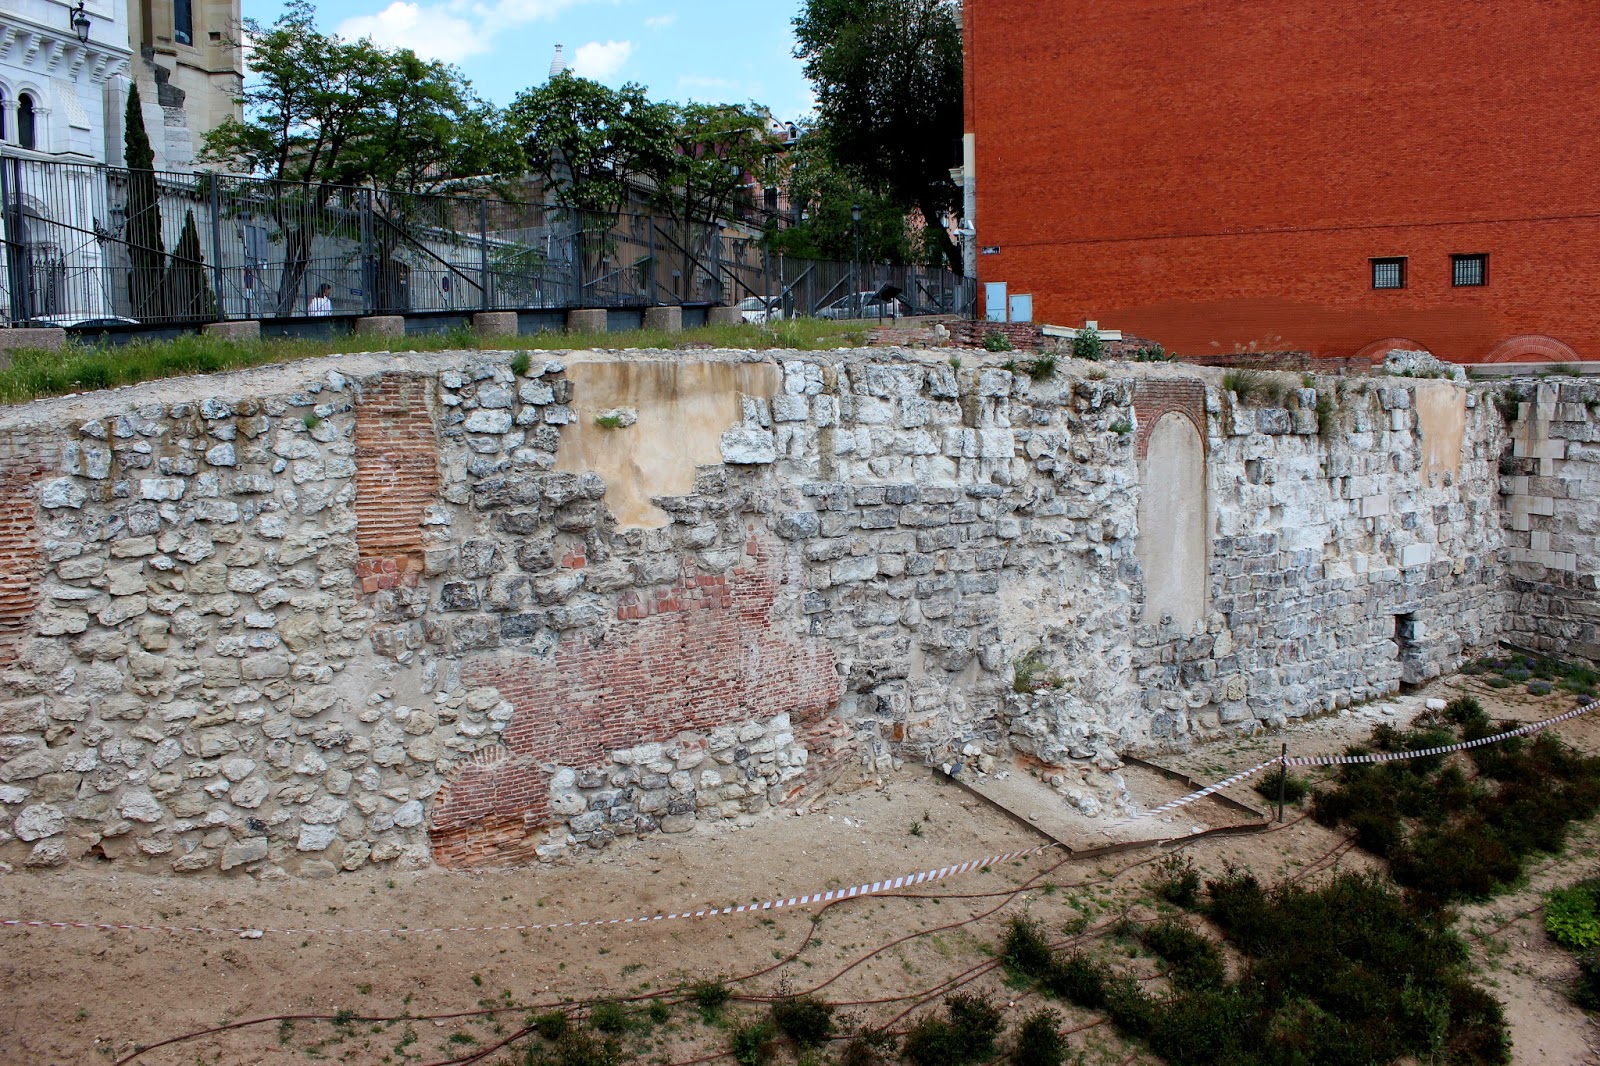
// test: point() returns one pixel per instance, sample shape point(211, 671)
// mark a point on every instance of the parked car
point(863, 305)
point(81, 321)
point(761, 309)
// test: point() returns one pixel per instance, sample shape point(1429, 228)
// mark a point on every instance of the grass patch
point(1271, 390)
point(1028, 674)
point(1449, 838)
point(83, 367)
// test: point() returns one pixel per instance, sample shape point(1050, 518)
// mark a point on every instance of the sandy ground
point(72, 996)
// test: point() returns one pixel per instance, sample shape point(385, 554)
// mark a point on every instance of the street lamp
point(79, 19)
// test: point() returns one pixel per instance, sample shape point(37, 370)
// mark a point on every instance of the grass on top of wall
point(86, 367)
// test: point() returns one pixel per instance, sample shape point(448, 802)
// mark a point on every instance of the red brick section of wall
point(700, 655)
point(21, 566)
point(397, 477)
point(1221, 174)
point(1152, 399)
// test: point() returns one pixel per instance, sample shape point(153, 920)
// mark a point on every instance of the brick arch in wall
point(688, 658)
point(1154, 398)
point(1374, 352)
point(1532, 348)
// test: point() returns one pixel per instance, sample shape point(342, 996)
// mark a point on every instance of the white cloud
point(599, 61)
point(431, 32)
point(659, 22)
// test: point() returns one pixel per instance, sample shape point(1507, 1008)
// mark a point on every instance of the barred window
point(1388, 273)
point(1469, 270)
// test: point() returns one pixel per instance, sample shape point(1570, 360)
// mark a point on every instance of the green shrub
point(550, 1024)
point(521, 363)
point(1195, 962)
point(576, 1047)
point(1295, 789)
point(995, 341)
point(710, 997)
point(1587, 992)
point(806, 1020)
point(867, 1049)
point(1572, 917)
point(1027, 949)
point(1087, 345)
point(1175, 880)
point(1043, 367)
point(1153, 354)
point(967, 1036)
point(1039, 1041)
point(1122, 426)
point(609, 1017)
point(1078, 979)
point(1327, 414)
point(753, 1044)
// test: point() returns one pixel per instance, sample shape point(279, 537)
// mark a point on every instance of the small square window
point(1469, 270)
point(1388, 273)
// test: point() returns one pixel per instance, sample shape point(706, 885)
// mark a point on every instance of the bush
point(1571, 915)
point(1087, 345)
point(710, 997)
point(806, 1020)
point(995, 341)
point(1079, 980)
point(577, 1047)
point(609, 1017)
point(1195, 961)
point(867, 1049)
point(1027, 950)
point(1043, 367)
point(968, 1035)
point(1587, 993)
point(752, 1044)
point(1039, 1041)
point(550, 1025)
point(1176, 881)
point(1295, 789)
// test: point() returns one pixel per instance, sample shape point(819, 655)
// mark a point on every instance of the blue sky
point(709, 50)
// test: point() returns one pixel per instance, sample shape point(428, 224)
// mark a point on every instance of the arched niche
point(1173, 548)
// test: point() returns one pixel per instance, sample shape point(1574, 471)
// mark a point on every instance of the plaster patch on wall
point(1442, 417)
point(1172, 523)
point(683, 409)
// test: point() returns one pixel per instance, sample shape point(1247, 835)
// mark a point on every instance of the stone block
point(13, 340)
point(590, 320)
point(381, 326)
point(495, 323)
point(666, 319)
point(233, 331)
point(723, 316)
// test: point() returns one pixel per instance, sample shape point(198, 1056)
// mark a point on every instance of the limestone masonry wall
point(383, 609)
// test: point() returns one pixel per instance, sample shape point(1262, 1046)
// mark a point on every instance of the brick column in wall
point(20, 563)
point(397, 478)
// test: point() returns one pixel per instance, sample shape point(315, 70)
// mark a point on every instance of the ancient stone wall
point(472, 607)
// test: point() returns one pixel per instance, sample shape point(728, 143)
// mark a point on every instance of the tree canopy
point(887, 74)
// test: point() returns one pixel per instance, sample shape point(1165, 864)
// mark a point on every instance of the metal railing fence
point(98, 244)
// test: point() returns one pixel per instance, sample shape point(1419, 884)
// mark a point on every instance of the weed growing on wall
point(1351, 971)
point(1449, 838)
point(1087, 345)
point(995, 341)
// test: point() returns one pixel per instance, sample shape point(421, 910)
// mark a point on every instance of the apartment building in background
point(1312, 175)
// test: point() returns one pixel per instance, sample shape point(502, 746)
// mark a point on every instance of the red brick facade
point(397, 477)
point(1218, 176)
point(699, 655)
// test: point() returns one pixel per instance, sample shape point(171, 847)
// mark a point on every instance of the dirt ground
point(72, 996)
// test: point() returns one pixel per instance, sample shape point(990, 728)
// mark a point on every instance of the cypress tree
point(146, 254)
point(188, 292)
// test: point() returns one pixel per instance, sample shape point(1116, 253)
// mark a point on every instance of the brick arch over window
point(1532, 348)
point(1375, 351)
point(1153, 399)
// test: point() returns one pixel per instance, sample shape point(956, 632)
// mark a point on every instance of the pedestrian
point(321, 303)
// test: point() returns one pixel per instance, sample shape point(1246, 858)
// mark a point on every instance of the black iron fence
point(97, 245)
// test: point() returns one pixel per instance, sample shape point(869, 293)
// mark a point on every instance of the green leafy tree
point(887, 74)
point(323, 113)
point(146, 253)
point(188, 290)
point(823, 197)
point(588, 143)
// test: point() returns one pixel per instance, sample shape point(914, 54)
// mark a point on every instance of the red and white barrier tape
point(872, 889)
point(1379, 757)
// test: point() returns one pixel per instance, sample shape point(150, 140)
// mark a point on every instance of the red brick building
point(1294, 174)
